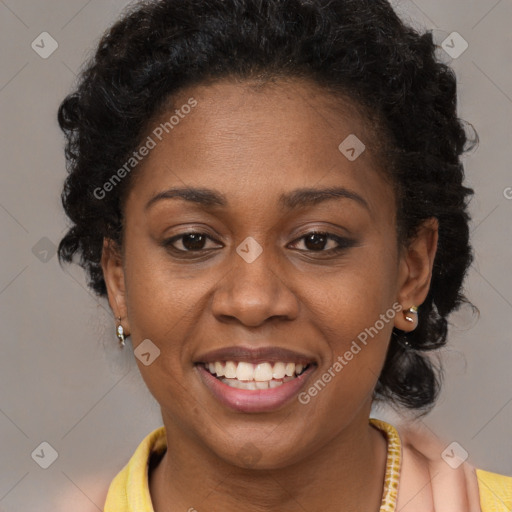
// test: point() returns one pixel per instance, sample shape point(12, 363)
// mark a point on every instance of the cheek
point(353, 298)
point(358, 338)
point(161, 307)
point(165, 304)
point(158, 295)
point(353, 311)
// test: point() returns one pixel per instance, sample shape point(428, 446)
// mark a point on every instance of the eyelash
point(343, 243)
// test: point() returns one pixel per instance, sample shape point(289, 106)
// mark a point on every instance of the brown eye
point(317, 242)
point(193, 242)
point(189, 242)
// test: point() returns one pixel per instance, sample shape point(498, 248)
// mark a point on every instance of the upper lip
point(255, 355)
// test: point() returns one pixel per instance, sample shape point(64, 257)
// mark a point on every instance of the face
point(239, 265)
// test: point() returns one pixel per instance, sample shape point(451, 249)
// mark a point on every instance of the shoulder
point(451, 478)
point(495, 491)
point(130, 485)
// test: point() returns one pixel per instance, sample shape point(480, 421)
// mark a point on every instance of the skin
point(252, 144)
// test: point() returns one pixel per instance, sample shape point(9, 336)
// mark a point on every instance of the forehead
point(247, 139)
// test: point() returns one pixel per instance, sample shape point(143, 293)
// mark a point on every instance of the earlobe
point(415, 272)
point(113, 274)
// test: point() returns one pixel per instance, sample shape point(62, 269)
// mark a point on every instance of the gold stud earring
point(412, 310)
point(120, 333)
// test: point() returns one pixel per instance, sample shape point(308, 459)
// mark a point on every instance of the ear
point(415, 270)
point(113, 274)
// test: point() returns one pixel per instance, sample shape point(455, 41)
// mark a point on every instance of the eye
point(318, 241)
point(191, 242)
point(314, 242)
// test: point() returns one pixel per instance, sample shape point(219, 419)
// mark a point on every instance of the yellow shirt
point(129, 490)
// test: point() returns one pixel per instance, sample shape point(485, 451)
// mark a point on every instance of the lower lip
point(258, 400)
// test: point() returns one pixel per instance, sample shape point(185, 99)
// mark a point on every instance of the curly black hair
point(356, 49)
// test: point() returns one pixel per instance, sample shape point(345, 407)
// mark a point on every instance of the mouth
point(250, 376)
point(254, 379)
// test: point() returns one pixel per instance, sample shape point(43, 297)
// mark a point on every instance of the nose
point(254, 293)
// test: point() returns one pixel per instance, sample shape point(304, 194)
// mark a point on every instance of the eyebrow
point(300, 198)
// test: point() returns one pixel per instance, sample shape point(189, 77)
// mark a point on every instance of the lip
point(256, 355)
point(254, 401)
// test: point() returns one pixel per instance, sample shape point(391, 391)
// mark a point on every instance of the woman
point(271, 196)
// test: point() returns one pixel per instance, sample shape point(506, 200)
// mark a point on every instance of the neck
point(345, 474)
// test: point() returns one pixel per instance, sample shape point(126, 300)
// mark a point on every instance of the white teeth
point(219, 369)
point(230, 370)
point(279, 371)
point(289, 369)
point(263, 372)
point(232, 382)
point(252, 385)
point(265, 375)
point(245, 371)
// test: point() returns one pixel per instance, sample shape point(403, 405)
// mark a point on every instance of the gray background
point(63, 379)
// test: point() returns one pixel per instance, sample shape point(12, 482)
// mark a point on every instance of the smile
point(250, 376)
